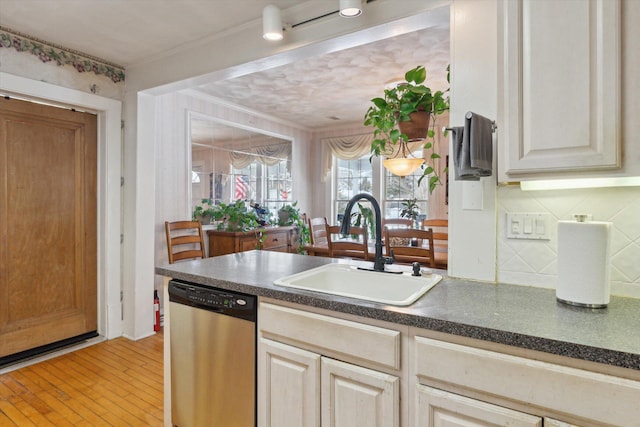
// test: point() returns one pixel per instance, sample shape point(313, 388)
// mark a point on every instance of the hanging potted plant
point(403, 115)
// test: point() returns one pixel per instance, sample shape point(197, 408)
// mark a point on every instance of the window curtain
point(267, 155)
point(349, 148)
point(345, 148)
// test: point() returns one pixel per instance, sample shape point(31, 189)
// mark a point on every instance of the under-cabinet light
point(563, 184)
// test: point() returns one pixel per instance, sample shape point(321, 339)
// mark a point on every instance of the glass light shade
point(271, 23)
point(350, 8)
point(402, 166)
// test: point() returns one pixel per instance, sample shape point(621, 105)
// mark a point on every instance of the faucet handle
point(390, 259)
point(416, 269)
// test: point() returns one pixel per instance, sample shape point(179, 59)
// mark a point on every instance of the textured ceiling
point(336, 88)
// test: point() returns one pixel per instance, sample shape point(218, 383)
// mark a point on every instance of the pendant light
point(350, 8)
point(271, 23)
point(403, 163)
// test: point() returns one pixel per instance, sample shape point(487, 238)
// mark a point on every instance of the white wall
point(472, 205)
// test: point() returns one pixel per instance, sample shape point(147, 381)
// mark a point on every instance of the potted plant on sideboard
point(204, 211)
point(290, 215)
point(235, 216)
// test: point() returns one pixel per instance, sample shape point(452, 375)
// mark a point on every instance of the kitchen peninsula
point(462, 340)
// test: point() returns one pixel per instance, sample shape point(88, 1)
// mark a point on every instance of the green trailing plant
point(364, 218)
point(396, 106)
point(290, 215)
point(235, 216)
point(204, 211)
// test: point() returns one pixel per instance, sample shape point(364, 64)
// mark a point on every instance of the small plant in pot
point(407, 113)
point(204, 211)
point(410, 210)
point(235, 216)
point(290, 215)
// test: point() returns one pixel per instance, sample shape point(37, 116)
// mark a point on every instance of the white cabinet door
point(353, 396)
point(559, 79)
point(288, 386)
point(438, 408)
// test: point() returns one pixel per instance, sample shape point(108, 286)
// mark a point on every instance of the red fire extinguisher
point(156, 310)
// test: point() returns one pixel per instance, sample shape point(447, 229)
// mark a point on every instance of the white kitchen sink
point(348, 281)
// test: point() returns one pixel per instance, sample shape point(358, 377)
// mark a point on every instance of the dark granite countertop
point(520, 316)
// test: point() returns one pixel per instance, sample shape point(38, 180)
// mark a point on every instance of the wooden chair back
point(399, 241)
point(319, 232)
point(440, 228)
point(184, 240)
point(354, 245)
point(397, 222)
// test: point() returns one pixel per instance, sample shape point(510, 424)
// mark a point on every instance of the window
point(351, 177)
point(361, 176)
point(399, 190)
point(278, 185)
point(269, 186)
point(245, 182)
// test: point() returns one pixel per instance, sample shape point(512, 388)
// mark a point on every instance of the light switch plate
point(528, 226)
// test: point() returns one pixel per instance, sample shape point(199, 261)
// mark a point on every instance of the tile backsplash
point(534, 262)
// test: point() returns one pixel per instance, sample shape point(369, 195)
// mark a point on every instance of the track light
point(350, 8)
point(271, 23)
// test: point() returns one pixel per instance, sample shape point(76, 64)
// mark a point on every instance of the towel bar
point(469, 114)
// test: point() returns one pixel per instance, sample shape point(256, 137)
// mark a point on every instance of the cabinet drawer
point(275, 240)
point(559, 388)
point(331, 336)
point(249, 243)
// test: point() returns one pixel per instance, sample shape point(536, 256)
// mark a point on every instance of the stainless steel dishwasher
point(213, 356)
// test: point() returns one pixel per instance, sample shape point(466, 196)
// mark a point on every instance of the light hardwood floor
point(113, 383)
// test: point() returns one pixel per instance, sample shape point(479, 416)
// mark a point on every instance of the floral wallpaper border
point(47, 52)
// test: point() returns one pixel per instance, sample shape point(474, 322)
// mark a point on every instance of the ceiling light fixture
point(271, 23)
point(350, 8)
point(403, 163)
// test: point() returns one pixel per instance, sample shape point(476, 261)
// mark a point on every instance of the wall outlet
point(528, 226)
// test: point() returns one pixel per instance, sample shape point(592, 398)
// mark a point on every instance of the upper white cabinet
point(559, 80)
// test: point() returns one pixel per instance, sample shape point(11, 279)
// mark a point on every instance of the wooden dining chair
point(398, 241)
point(354, 245)
point(319, 232)
point(397, 222)
point(440, 229)
point(184, 240)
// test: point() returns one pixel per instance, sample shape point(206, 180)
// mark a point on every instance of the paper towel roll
point(584, 263)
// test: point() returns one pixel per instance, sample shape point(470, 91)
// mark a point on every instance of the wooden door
point(48, 242)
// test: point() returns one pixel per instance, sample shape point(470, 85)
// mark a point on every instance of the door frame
point(109, 112)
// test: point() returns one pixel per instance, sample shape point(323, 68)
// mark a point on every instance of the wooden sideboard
point(280, 239)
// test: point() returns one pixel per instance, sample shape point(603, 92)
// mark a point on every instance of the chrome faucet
point(379, 261)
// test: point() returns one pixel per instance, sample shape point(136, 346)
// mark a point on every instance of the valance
point(349, 148)
point(267, 155)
